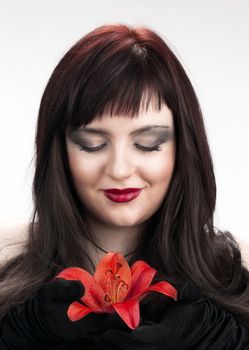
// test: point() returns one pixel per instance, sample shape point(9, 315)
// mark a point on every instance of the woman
point(120, 112)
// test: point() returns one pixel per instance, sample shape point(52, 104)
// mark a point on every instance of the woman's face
point(116, 157)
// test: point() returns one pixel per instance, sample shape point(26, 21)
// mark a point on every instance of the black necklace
point(103, 250)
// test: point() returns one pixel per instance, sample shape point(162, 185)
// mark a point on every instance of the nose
point(120, 164)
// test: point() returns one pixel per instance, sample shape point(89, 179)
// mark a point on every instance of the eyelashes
point(156, 148)
point(148, 149)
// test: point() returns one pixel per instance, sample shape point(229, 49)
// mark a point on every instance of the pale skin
point(119, 163)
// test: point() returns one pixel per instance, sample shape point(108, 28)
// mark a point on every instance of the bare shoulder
point(244, 247)
point(13, 235)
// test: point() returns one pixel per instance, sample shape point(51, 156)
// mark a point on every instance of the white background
point(211, 39)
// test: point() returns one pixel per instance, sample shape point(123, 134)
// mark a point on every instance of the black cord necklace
point(103, 250)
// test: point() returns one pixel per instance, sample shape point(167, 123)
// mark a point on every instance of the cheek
point(160, 169)
point(158, 175)
point(84, 173)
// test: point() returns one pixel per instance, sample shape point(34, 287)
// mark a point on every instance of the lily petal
point(129, 312)
point(76, 311)
point(94, 296)
point(113, 274)
point(141, 274)
point(163, 287)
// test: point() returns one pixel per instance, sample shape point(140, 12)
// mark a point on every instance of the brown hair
point(115, 69)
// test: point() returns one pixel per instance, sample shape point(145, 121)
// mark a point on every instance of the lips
point(125, 190)
point(125, 195)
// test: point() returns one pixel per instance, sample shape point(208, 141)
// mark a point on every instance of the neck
point(111, 238)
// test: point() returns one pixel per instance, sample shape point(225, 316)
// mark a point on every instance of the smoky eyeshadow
point(153, 137)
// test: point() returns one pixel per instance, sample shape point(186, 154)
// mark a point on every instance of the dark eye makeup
point(84, 144)
point(140, 147)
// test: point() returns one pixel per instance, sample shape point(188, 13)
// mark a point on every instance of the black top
point(211, 328)
point(193, 322)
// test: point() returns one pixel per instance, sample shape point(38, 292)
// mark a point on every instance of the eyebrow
point(134, 132)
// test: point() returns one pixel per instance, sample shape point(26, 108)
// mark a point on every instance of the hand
point(193, 322)
point(43, 319)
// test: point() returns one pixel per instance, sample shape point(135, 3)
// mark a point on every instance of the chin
point(123, 223)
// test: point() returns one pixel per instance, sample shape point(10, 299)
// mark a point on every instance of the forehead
point(114, 124)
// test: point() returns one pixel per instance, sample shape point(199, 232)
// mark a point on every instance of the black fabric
point(41, 322)
point(193, 322)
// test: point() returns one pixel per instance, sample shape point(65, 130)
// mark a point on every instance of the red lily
point(115, 287)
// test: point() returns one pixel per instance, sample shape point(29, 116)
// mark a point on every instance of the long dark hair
point(118, 69)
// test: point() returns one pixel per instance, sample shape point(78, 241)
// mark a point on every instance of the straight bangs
point(122, 83)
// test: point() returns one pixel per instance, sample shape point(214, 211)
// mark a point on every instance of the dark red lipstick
point(124, 195)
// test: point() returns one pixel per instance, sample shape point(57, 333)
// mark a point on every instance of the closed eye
point(140, 147)
point(91, 149)
point(148, 149)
